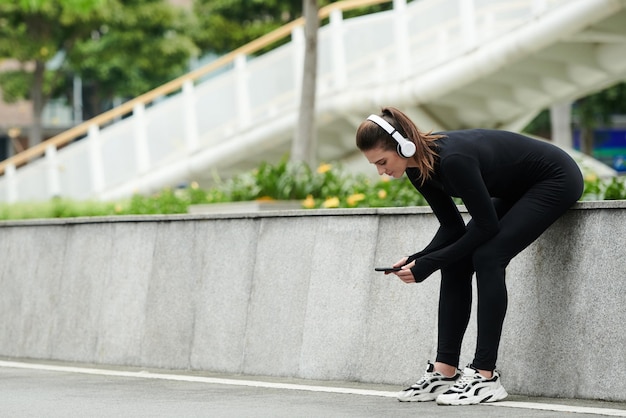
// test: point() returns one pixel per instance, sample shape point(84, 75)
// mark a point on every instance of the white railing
point(242, 93)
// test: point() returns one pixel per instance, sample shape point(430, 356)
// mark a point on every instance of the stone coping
point(408, 210)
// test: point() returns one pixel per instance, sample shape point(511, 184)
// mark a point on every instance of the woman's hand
point(405, 274)
point(409, 271)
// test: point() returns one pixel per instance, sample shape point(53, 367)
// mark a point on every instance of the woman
point(514, 188)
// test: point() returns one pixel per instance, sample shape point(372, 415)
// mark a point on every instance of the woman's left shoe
point(472, 388)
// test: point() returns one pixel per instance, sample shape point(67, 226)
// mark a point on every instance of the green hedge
point(328, 186)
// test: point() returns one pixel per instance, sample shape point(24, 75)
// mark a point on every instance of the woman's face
point(387, 162)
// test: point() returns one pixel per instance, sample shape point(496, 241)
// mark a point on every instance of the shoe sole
point(498, 395)
point(424, 397)
point(419, 398)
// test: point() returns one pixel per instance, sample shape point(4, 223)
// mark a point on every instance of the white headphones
point(406, 148)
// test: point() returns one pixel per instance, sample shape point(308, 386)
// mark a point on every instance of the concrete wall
point(294, 294)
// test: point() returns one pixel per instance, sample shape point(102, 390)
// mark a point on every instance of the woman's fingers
point(405, 275)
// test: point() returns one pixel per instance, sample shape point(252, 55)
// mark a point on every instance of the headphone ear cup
point(406, 149)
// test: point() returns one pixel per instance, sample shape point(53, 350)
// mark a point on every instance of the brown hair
point(369, 136)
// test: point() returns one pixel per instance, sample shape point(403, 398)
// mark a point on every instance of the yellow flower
point(591, 177)
point(385, 179)
point(118, 208)
point(194, 185)
point(265, 198)
point(323, 168)
point(331, 202)
point(355, 198)
point(382, 193)
point(309, 202)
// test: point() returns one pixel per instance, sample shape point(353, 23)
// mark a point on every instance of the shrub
point(328, 186)
point(613, 188)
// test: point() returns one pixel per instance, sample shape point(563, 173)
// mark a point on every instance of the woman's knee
point(488, 257)
point(460, 270)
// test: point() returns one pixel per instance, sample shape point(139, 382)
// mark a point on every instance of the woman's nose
point(381, 170)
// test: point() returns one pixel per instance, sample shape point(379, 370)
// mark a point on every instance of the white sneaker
point(472, 388)
point(429, 386)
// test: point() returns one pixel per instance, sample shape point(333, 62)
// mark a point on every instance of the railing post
point(399, 4)
point(401, 35)
point(241, 84)
point(9, 174)
point(338, 48)
point(191, 116)
point(95, 158)
point(141, 139)
point(468, 22)
point(52, 168)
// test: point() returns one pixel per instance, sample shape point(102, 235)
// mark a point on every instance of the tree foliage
point(33, 32)
point(143, 46)
point(588, 113)
point(224, 25)
point(118, 47)
point(596, 110)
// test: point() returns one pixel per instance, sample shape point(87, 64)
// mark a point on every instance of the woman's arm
point(464, 175)
point(451, 225)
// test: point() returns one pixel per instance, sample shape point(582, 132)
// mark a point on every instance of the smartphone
point(388, 269)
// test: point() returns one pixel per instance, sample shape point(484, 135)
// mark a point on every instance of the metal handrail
point(81, 129)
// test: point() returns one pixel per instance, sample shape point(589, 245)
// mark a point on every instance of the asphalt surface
point(32, 389)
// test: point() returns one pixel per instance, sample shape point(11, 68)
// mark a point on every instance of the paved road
point(62, 390)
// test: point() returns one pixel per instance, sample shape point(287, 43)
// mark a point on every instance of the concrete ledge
point(293, 293)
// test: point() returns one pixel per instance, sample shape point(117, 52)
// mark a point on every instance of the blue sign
point(609, 146)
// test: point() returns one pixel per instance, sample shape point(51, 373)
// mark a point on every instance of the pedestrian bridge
point(447, 63)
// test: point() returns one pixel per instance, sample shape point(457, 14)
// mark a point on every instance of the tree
point(224, 25)
point(588, 113)
point(33, 32)
point(142, 46)
point(304, 142)
point(118, 47)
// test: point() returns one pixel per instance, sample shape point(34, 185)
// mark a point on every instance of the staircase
point(449, 64)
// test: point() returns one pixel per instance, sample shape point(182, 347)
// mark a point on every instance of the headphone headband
point(406, 148)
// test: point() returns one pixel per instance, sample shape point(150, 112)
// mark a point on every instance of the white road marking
point(199, 379)
point(291, 386)
point(561, 408)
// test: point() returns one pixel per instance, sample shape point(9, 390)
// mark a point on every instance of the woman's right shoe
point(431, 385)
point(473, 389)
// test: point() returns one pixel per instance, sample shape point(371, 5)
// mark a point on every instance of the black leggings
point(521, 223)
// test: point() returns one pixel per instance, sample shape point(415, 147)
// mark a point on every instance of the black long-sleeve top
point(477, 165)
